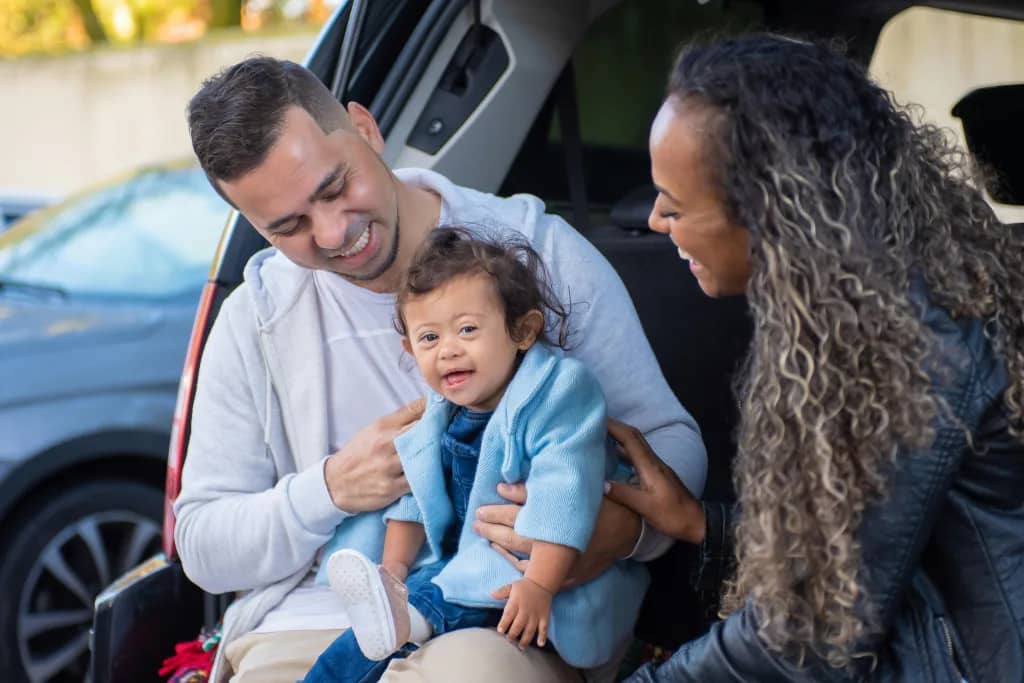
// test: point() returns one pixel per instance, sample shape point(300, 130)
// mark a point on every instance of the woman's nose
point(655, 222)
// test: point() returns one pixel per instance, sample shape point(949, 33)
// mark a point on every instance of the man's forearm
point(681, 448)
point(239, 541)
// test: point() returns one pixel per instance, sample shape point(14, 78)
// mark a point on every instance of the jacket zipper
point(949, 647)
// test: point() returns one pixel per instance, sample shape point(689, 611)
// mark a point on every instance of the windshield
point(153, 235)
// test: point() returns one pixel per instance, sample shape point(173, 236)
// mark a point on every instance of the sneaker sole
point(357, 582)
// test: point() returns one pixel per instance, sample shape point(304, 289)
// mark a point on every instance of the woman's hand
point(658, 496)
point(615, 534)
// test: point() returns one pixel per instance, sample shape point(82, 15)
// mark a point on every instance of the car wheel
point(60, 553)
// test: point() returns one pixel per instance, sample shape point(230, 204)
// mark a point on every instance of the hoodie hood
point(274, 283)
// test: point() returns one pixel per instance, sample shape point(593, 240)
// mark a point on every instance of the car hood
point(28, 327)
point(59, 346)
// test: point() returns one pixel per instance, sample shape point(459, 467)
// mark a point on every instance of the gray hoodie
point(254, 509)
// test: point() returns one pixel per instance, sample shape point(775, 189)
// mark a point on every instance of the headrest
point(993, 120)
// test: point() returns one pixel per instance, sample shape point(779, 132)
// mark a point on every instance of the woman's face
point(689, 208)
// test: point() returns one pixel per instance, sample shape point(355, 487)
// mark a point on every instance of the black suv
point(550, 98)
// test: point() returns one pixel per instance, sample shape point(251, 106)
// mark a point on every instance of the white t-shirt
point(368, 375)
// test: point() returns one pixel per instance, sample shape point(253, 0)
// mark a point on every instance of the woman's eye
point(667, 215)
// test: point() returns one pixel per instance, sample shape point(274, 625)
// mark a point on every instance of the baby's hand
point(526, 612)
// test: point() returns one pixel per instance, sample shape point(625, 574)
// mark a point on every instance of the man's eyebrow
point(328, 180)
point(665, 192)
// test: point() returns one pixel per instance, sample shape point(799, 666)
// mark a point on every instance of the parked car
point(97, 297)
point(510, 96)
point(14, 207)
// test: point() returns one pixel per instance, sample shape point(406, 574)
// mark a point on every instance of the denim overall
point(343, 661)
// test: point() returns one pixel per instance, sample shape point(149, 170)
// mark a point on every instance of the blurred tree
point(225, 13)
point(144, 20)
point(93, 28)
point(319, 10)
point(28, 26)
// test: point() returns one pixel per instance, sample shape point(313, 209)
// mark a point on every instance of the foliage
point(28, 26)
point(32, 26)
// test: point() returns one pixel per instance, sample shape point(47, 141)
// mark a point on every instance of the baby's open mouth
point(456, 378)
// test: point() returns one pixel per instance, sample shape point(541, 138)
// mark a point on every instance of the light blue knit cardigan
point(549, 430)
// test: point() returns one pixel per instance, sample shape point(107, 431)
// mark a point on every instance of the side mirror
point(993, 121)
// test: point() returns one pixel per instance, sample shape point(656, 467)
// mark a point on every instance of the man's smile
point(360, 243)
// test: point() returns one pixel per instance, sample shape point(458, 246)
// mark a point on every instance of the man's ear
point(406, 345)
point(528, 328)
point(364, 123)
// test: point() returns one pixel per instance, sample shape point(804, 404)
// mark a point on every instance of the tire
point(57, 555)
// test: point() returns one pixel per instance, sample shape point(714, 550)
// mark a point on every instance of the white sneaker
point(376, 602)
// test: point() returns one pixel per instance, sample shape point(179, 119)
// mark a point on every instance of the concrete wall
point(72, 120)
point(68, 121)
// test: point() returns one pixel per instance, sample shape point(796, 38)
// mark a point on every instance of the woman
point(880, 527)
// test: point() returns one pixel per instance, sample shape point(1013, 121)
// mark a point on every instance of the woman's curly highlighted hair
point(847, 200)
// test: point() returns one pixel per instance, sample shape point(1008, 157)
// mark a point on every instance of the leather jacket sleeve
point(716, 556)
point(893, 535)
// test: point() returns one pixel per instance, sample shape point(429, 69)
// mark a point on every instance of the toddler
point(472, 312)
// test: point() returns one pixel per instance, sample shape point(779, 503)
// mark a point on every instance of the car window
point(152, 236)
point(620, 66)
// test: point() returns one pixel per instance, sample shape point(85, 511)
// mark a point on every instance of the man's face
point(327, 201)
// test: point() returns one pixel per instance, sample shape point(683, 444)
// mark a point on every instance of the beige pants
point(467, 656)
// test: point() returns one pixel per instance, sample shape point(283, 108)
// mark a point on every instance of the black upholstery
point(992, 118)
point(699, 343)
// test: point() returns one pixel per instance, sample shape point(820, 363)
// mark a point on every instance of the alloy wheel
point(55, 609)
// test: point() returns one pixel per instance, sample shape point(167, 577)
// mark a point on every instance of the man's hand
point(615, 534)
point(366, 473)
point(527, 612)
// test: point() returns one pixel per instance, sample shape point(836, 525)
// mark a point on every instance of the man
point(302, 387)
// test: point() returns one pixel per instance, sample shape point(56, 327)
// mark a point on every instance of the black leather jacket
point(944, 550)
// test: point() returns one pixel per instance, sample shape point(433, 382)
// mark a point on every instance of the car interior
point(553, 99)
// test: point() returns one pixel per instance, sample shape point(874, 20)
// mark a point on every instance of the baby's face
point(458, 336)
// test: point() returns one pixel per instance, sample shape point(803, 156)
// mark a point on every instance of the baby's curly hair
point(516, 269)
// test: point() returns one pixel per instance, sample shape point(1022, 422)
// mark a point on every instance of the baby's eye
point(467, 329)
point(428, 338)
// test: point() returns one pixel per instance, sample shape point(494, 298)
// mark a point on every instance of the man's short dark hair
point(237, 115)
